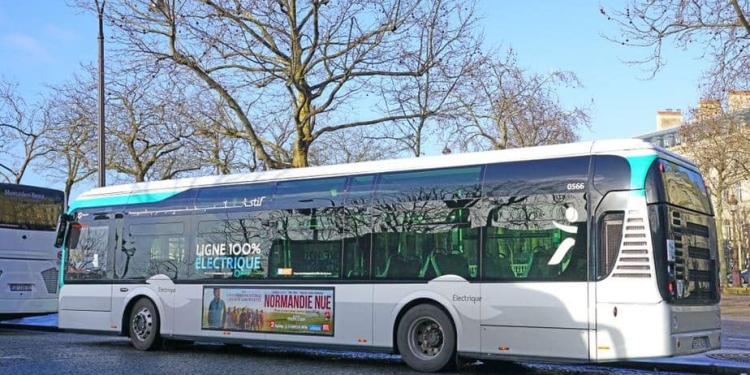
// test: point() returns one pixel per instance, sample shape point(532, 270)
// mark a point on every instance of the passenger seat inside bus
point(540, 269)
point(453, 263)
point(399, 266)
point(498, 267)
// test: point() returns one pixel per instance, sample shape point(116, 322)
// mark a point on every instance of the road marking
point(731, 339)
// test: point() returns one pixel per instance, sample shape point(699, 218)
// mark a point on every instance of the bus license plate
point(20, 287)
point(700, 343)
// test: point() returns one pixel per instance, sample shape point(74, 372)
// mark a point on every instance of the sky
point(44, 42)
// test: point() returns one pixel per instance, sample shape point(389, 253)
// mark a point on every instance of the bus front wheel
point(144, 325)
point(426, 339)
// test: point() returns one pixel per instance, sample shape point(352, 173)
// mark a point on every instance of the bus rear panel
point(657, 266)
point(29, 263)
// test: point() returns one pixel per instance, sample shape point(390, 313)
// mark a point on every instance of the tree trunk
point(305, 123)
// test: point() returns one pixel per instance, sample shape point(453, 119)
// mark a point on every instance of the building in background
point(731, 123)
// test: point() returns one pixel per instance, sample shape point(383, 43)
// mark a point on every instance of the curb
point(739, 291)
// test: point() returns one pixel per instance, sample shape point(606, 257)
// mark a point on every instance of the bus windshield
point(27, 207)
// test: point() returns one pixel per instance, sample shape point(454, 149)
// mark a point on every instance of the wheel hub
point(432, 337)
point(426, 338)
point(142, 323)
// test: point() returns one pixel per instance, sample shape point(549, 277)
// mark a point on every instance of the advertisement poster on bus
point(306, 311)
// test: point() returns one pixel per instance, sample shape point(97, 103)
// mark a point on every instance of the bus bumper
point(696, 342)
point(35, 306)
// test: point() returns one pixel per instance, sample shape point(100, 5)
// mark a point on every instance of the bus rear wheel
point(426, 339)
point(144, 325)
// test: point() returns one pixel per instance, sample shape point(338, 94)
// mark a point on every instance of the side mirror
point(73, 235)
point(62, 225)
point(66, 225)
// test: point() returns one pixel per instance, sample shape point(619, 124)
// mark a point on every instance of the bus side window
point(149, 249)
point(542, 236)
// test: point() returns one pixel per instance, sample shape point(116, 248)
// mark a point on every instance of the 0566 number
point(576, 186)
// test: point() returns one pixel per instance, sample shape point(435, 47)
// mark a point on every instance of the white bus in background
point(29, 261)
point(587, 252)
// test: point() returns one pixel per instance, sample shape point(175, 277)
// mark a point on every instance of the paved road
point(33, 352)
point(736, 335)
point(57, 353)
point(23, 352)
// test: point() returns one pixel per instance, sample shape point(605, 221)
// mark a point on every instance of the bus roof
point(616, 146)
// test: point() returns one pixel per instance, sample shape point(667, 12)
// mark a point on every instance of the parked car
point(744, 276)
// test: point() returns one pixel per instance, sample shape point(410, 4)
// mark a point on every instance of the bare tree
point(71, 109)
point(719, 30)
point(145, 129)
point(507, 107)
point(434, 95)
point(219, 154)
point(216, 152)
point(320, 62)
point(22, 130)
point(351, 146)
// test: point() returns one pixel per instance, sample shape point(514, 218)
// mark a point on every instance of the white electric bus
point(29, 263)
point(585, 252)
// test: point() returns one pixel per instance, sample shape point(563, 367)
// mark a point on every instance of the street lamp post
point(736, 281)
point(738, 230)
point(102, 157)
point(741, 251)
point(746, 237)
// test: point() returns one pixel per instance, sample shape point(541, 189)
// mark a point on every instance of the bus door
point(88, 271)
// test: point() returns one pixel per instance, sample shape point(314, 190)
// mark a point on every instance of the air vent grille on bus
point(50, 280)
point(611, 239)
point(634, 260)
point(679, 249)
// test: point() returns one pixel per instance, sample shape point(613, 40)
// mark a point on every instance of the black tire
point(144, 326)
point(426, 339)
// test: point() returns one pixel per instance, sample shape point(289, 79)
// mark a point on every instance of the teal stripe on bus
point(121, 200)
point(638, 169)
